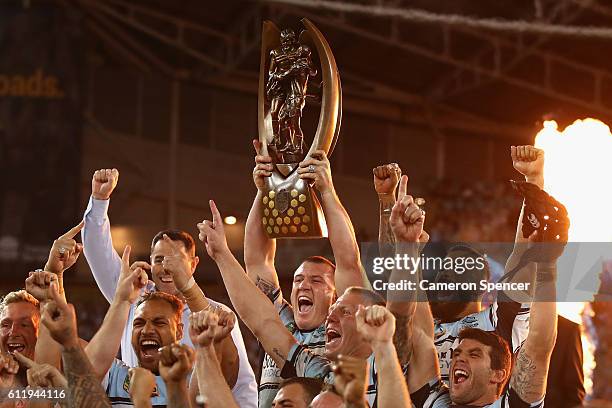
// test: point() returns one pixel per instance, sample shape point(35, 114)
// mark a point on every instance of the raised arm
point(530, 370)
point(205, 330)
point(413, 337)
point(259, 248)
point(386, 178)
point(377, 325)
point(84, 386)
point(253, 307)
point(104, 345)
point(349, 271)
point(103, 260)
point(529, 161)
point(176, 362)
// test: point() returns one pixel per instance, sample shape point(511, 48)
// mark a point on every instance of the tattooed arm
point(83, 385)
point(259, 249)
point(60, 320)
point(531, 367)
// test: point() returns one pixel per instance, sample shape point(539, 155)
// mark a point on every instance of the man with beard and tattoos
point(453, 311)
point(317, 282)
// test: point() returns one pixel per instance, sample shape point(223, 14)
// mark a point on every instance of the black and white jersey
point(507, 318)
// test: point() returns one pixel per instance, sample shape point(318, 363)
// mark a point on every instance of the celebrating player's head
point(313, 292)
point(19, 321)
point(157, 323)
point(341, 335)
point(480, 367)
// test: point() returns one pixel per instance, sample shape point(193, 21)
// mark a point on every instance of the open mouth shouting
point(305, 304)
point(333, 338)
point(13, 345)
point(460, 376)
point(149, 348)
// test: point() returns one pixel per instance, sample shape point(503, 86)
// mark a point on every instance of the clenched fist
point(210, 325)
point(375, 323)
point(38, 284)
point(175, 362)
point(386, 178)
point(103, 183)
point(529, 161)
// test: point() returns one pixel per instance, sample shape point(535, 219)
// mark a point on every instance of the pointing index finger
point(23, 360)
point(216, 215)
point(74, 230)
point(403, 187)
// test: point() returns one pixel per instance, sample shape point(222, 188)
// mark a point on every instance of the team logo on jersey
point(469, 321)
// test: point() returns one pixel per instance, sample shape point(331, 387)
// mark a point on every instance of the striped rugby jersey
point(301, 362)
point(117, 386)
point(435, 394)
point(507, 318)
point(313, 339)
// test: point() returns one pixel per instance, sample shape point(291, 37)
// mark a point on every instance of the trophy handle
point(329, 118)
point(269, 41)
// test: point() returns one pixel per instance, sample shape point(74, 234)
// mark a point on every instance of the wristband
point(190, 284)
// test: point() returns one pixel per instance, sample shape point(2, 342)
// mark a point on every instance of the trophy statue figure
point(287, 69)
point(290, 67)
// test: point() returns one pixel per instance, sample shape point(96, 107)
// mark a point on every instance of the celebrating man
point(316, 282)
point(173, 263)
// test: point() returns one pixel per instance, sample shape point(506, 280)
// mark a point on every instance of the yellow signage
point(37, 85)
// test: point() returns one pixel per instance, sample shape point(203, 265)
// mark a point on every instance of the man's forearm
point(104, 345)
point(403, 303)
point(392, 389)
point(211, 383)
point(254, 308)
point(349, 271)
point(83, 385)
point(386, 240)
point(195, 298)
point(259, 250)
point(531, 366)
point(528, 272)
point(178, 394)
point(103, 260)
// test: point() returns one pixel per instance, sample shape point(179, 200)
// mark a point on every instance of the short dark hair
point(175, 302)
point(321, 260)
point(368, 296)
point(176, 235)
point(500, 356)
point(311, 386)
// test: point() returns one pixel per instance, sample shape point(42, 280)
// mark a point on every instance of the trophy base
point(291, 209)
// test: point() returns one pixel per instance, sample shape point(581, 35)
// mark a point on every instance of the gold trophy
point(287, 70)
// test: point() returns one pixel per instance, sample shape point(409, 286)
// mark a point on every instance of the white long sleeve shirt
point(105, 265)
